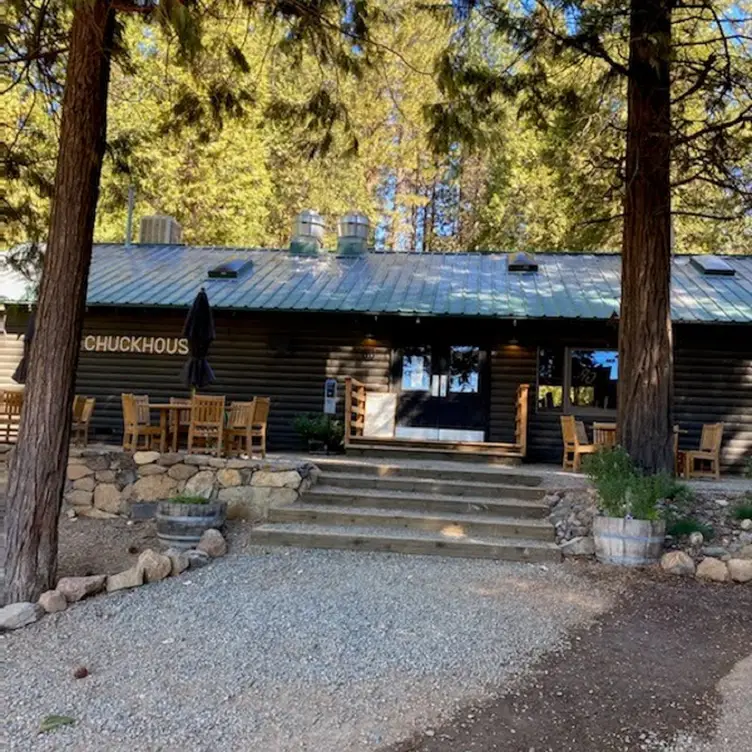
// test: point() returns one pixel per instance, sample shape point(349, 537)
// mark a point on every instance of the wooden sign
point(128, 343)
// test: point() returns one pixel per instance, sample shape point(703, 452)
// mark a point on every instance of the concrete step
point(357, 538)
point(429, 486)
point(451, 524)
point(428, 453)
point(396, 501)
point(435, 471)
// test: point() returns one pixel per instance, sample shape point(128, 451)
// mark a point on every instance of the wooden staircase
point(443, 508)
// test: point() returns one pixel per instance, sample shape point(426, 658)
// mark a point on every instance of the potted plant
point(630, 530)
point(322, 433)
point(182, 520)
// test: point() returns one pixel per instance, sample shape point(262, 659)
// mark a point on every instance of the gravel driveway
point(284, 649)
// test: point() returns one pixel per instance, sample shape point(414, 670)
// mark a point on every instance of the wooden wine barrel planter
point(629, 543)
point(181, 525)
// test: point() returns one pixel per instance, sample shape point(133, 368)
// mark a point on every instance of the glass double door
point(441, 392)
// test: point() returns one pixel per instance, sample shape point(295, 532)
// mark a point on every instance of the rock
point(212, 543)
point(582, 546)
point(677, 562)
point(197, 459)
point(145, 458)
point(721, 502)
point(95, 514)
point(107, 498)
point(71, 514)
point(182, 472)
point(97, 462)
point(17, 615)
point(746, 524)
point(84, 484)
point(239, 464)
point(197, 559)
point(106, 476)
point(80, 498)
point(178, 559)
point(170, 458)
point(154, 488)
point(76, 472)
point(145, 470)
point(76, 588)
point(130, 578)
point(740, 570)
point(155, 566)
point(712, 569)
point(81, 672)
point(696, 539)
point(716, 552)
point(745, 553)
point(284, 479)
point(228, 478)
point(52, 601)
point(217, 462)
point(201, 484)
point(254, 502)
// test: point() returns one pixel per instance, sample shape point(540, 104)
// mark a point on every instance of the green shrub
point(685, 526)
point(189, 499)
point(743, 511)
point(319, 427)
point(625, 492)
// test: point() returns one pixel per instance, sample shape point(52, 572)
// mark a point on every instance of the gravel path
point(287, 650)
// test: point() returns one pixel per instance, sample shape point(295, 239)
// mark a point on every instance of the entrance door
point(441, 391)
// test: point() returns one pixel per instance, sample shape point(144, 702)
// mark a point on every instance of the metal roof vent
point(712, 266)
point(231, 269)
point(353, 230)
point(522, 262)
point(307, 233)
point(159, 230)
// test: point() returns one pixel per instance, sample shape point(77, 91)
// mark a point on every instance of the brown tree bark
point(38, 467)
point(645, 343)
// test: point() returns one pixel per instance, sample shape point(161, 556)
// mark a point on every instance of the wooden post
point(520, 438)
point(348, 409)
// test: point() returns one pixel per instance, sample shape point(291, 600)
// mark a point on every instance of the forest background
point(537, 178)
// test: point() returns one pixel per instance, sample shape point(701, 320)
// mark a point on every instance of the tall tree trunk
point(38, 466)
point(645, 346)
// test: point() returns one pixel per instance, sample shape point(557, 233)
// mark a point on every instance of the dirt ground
point(641, 674)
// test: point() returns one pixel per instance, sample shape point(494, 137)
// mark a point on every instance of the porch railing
point(355, 408)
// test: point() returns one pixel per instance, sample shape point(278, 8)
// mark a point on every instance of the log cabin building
point(441, 343)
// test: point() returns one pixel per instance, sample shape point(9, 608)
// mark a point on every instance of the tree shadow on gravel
point(632, 680)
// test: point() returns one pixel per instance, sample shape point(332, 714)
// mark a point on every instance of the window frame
point(567, 408)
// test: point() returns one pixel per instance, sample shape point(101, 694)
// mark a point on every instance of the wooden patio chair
point(10, 415)
point(239, 427)
point(709, 454)
point(180, 421)
point(604, 435)
point(260, 419)
point(207, 425)
point(137, 424)
point(83, 408)
point(575, 443)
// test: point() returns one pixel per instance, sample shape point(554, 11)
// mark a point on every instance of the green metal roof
point(566, 285)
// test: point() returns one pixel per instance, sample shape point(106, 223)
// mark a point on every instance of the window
point(464, 366)
point(550, 378)
point(416, 369)
point(577, 379)
point(593, 378)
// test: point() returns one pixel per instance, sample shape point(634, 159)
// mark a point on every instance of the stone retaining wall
point(106, 482)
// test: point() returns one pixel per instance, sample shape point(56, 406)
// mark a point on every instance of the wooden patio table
point(164, 409)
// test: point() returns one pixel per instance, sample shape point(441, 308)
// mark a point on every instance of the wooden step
point(420, 452)
point(358, 538)
point(429, 486)
point(456, 524)
point(413, 501)
point(441, 471)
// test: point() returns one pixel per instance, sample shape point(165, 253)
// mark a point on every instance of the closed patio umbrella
point(199, 331)
point(22, 370)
